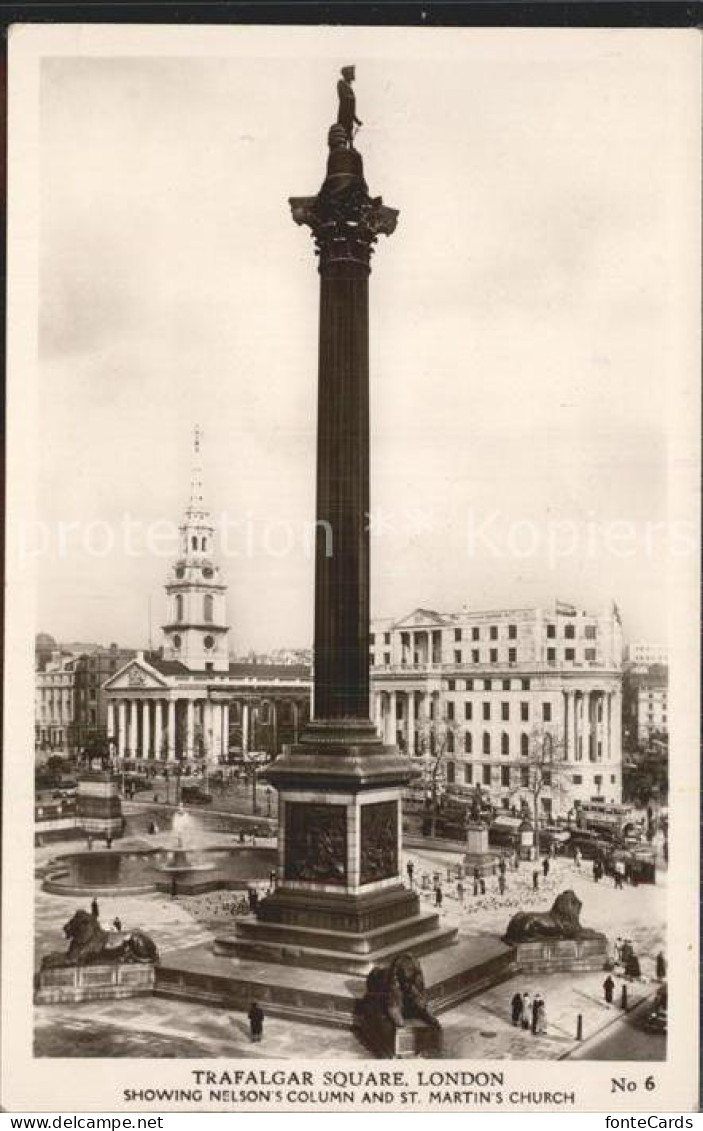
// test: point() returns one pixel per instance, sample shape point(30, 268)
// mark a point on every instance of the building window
point(551, 631)
point(551, 655)
point(547, 777)
point(179, 607)
point(208, 606)
point(546, 712)
point(387, 638)
point(468, 774)
point(569, 631)
point(486, 742)
point(468, 743)
point(468, 711)
point(506, 685)
point(450, 743)
point(525, 777)
point(493, 632)
point(570, 654)
point(457, 634)
point(450, 773)
point(524, 745)
point(505, 743)
point(457, 655)
point(505, 711)
point(505, 776)
point(512, 655)
point(450, 685)
point(494, 655)
point(524, 712)
point(209, 667)
point(386, 658)
point(486, 775)
point(590, 654)
point(525, 685)
point(469, 685)
point(577, 779)
point(475, 654)
point(475, 634)
point(371, 660)
point(487, 685)
point(450, 711)
point(486, 711)
point(512, 632)
point(590, 632)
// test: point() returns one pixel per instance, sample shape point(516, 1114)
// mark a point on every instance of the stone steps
point(327, 939)
point(285, 953)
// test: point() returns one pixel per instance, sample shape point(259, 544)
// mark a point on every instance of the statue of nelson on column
point(346, 116)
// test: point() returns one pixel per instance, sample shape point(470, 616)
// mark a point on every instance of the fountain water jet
point(179, 861)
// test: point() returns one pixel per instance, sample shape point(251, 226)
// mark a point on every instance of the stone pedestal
point(98, 805)
point(94, 982)
point(476, 839)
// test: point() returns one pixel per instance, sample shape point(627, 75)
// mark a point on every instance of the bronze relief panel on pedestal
point(316, 842)
point(379, 841)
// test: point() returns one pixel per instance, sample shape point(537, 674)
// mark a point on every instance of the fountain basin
point(141, 871)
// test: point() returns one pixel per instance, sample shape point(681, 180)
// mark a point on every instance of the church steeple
point(196, 630)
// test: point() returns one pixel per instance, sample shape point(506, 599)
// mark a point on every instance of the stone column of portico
point(245, 728)
point(567, 716)
point(607, 723)
point(158, 729)
point(225, 730)
point(410, 703)
point(122, 724)
point(392, 719)
point(146, 729)
point(190, 727)
point(171, 731)
point(111, 720)
point(133, 729)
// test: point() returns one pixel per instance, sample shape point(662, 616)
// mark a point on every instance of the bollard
point(623, 1000)
point(579, 1027)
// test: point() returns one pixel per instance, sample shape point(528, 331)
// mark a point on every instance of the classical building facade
point(189, 702)
point(646, 703)
point(55, 702)
point(484, 690)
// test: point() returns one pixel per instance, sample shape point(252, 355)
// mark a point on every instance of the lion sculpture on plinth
point(398, 992)
point(88, 945)
point(561, 922)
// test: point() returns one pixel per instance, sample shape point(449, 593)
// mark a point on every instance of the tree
point(436, 739)
point(542, 770)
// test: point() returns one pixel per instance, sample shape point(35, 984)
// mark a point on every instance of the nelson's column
point(340, 904)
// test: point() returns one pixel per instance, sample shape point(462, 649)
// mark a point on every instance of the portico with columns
point(189, 703)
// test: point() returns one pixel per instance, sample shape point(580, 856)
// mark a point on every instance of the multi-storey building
point(641, 654)
point(486, 691)
point(646, 704)
point(55, 702)
point(92, 669)
point(190, 702)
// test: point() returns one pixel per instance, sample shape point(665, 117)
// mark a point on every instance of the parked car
point(656, 1019)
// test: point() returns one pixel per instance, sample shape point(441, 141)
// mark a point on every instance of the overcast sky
point(522, 319)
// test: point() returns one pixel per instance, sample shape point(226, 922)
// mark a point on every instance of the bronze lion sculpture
point(88, 945)
point(398, 992)
point(561, 922)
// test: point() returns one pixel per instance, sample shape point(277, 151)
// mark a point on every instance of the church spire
point(196, 475)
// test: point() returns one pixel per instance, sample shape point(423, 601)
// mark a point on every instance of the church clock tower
point(196, 630)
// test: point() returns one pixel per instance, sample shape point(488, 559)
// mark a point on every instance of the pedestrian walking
point(608, 988)
point(618, 949)
point(482, 885)
point(526, 1014)
point(272, 878)
point(545, 867)
point(660, 966)
point(517, 860)
point(477, 879)
point(501, 883)
point(460, 893)
point(577, 857)
point(117, 923)
point(553, 849)
point(502, 866)
point(410, 869)
point(535, 880)
point(535, 1014)
point(516, 1008)
point(94, 909)
point(108, 841)
point(256, 1021)
point(438, 895)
